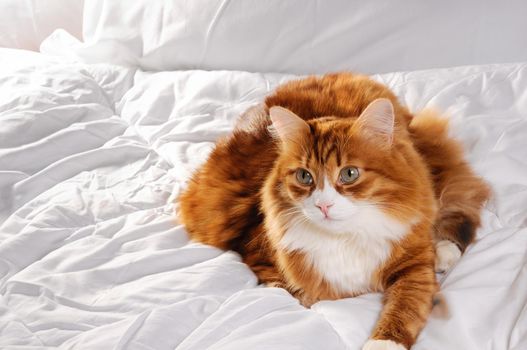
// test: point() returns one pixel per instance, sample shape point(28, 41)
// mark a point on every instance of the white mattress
point(91, 257)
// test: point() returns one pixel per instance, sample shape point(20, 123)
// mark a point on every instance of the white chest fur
point(346, 261)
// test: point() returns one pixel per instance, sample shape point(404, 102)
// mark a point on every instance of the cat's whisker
point(405, 207)
point(290, 212)
point(451, 183)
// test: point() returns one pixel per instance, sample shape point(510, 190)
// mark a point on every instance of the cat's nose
point(324, 208)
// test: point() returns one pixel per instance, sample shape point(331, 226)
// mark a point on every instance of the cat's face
point(345, 175)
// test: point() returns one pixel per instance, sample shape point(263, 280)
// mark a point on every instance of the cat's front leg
point(407, 304)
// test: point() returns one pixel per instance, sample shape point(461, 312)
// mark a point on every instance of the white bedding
point(91, 257)
point(293, 36)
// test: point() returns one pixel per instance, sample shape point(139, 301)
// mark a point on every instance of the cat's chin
point(333, 226)
point(330, 225)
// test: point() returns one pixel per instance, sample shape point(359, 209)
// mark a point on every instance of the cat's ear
point(287, 124)
point(377, 122)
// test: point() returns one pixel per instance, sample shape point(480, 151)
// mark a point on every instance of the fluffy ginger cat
point(331, 189)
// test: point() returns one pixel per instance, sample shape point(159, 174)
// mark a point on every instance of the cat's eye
point(349, 175)
point(304, 177)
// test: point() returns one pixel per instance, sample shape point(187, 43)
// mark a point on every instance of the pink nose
point(324, 208)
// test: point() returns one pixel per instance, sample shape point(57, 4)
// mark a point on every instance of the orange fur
point(460, 192)
point(240, 198)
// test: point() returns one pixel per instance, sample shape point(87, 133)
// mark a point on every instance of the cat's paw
point(447, 254)
point(376, 344)
point(304, 299)
point(275, 284)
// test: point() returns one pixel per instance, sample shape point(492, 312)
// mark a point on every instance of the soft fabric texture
point(24, 24)
point(92, 157)
point(298, 36)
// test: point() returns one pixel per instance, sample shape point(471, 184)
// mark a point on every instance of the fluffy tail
point(460, 192)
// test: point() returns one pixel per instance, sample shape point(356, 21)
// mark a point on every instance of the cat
point(331, 189)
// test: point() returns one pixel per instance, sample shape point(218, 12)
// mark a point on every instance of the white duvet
point(91, 256)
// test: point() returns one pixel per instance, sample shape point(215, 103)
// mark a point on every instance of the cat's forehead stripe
point(325, 144)
point(332, 150)
point(315, 146)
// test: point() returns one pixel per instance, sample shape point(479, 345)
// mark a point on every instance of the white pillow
point(25, 23)
point(299, 36)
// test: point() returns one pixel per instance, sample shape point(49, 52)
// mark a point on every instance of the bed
point(94, 151)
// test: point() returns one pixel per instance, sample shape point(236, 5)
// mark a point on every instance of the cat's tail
point(460, 192)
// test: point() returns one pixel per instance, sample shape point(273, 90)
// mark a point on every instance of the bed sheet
point(91, 256)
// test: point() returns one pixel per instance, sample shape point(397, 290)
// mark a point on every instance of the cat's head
point(347, 174)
